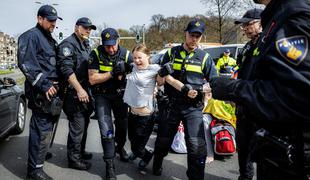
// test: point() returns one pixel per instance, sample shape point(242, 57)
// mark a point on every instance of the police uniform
point(225, 61)
point(275, 91)
point(191, 68)
point(72, 58)
point(245, 129)
point(109, 95)
point(37, 61)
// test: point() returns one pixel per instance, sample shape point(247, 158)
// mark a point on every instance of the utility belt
point(282, 152)
point(102, 90)
point(52, 107)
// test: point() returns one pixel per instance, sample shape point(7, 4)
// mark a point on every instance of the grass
point(6, 71)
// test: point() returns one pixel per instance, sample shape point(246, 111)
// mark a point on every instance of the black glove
point(118, 69)
point(185, 89)
point(128, 67)
point(223, 88)
point(165, 70)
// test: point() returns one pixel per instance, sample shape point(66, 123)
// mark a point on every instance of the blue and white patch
point(66, 51)
point(294, 49)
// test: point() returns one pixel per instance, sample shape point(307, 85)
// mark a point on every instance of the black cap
point(250, 15)
point(109, 37)
point(196, 26)
point(49, 12)
point(85, 22)
point(227, 51)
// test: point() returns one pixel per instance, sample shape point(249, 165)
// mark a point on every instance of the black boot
point(146, 159)
point(79, 165)
point(86, 155)
point(39, 175)
point(157, 165)
point(122, 154)
point(110, 169)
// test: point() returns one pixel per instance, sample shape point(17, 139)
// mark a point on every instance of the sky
point(19, 15)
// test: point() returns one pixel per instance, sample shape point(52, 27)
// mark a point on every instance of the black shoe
point(110, 169)
point(87, 155)
point(48, 155)
point(123, 155)
point(40, 175)
point(79, 165)
point(132, 157)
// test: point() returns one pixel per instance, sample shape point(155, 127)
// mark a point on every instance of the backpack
point(223, 136)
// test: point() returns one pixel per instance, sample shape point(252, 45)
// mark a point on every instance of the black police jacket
point(37, 60)
point(105, 60)
point(275, 90)
point(73, 58)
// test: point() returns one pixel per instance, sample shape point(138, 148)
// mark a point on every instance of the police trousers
point(139, 130)
point(40, 133)
point(192, 118)
point(78, 124)
point(105, 104)
point(244, 135)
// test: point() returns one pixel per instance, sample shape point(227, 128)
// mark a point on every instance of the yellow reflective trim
point(127, 54)
point(191, 54)
point(204, 61)
point(193, 68)
point(178, 60)
point(256, 52)
point(105, 68)
point(176, 66)
point(169, 52)
point(183, 54)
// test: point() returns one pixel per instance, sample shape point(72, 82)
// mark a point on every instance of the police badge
point(66, 51)
point(294, 49)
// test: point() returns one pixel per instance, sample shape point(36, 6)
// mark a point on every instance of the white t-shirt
point(140, 87)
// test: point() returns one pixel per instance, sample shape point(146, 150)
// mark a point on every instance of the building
point(8, 51)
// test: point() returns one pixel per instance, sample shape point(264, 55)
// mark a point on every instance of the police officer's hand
point(52, 91)
point(165, 70)
point(187, 90)
point(83, 96)
point(118, 69)
point(223, 88)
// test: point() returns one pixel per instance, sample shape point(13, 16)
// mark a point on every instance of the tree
point(222, 14)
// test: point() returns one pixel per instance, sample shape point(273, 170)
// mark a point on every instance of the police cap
point(250, 15)
point(109, 37)
point(196, 26)
point(48, 12)
point(85, 22)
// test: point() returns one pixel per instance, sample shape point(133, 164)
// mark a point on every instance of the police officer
point(251, 26)
point(225, 61)
point(274, 91)
point(73, 53)
point(37, 60)
point(107, 67)
point(189, 65)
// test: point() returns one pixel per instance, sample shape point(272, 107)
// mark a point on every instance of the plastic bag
point(178, 145)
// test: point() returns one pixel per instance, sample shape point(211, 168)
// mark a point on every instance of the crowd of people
point(271, 93)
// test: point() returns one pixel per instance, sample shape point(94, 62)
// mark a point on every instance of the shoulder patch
point(66, 51)
point(294, 49)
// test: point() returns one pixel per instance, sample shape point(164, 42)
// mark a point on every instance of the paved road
point(13, 160)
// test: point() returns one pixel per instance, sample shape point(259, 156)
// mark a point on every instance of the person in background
point(225, 62)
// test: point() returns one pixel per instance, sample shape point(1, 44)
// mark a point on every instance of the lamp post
point(143, 33)
point(38, 2)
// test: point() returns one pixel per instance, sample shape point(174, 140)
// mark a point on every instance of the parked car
point(13, 107)
point(216, 52)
